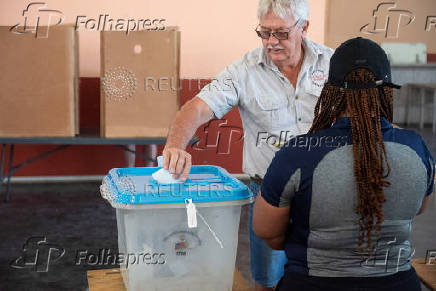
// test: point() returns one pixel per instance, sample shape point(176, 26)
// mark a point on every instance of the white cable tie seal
point(191, 211)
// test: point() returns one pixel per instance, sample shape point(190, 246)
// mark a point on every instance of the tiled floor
point(74, 217)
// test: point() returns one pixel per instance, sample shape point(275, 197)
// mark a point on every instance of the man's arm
point(193, 113)
point(214, 100)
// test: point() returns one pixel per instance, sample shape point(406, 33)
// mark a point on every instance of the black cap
point(360, 53)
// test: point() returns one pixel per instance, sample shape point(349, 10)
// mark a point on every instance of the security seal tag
point(191, 211)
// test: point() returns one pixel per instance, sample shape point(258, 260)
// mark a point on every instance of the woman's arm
point(424, 203)
point(270, 223)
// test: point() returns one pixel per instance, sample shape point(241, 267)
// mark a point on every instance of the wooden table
point(426, 272)
point(111, 280)
point(422, 88)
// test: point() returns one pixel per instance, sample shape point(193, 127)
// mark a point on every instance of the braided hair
point(362, 106)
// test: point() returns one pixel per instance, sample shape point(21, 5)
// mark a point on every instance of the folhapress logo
point(38, 254)
point(219, 135)
point(387, 19)
point(37, 19)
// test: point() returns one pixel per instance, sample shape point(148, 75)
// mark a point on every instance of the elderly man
point(275, 87)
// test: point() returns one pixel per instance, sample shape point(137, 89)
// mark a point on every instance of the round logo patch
point(318, 78)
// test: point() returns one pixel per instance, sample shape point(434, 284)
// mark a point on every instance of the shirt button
point(299, 119)
point(296, 97)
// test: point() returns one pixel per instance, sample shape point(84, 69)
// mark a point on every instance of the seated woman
point(341, 199)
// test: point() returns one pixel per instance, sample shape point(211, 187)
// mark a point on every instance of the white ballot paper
point(163, 176)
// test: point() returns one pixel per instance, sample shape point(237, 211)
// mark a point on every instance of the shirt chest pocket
point(272, 113)
point(307, 100)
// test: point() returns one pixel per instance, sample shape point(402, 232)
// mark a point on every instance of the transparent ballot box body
point(157, 248)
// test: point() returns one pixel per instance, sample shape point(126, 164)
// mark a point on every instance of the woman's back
point(333, 227)
point(323, 236)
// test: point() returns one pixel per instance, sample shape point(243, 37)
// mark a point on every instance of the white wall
point(214, 33)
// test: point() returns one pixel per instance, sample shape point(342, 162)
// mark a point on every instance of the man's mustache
point(277, 47)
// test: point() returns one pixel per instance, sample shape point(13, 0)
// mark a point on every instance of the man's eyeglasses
point(280, 35)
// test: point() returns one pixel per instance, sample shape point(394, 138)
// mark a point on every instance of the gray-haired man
point(275, 87)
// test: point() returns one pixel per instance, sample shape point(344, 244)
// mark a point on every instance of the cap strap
point(370, 85)
point(392, 85)
point(351, 85)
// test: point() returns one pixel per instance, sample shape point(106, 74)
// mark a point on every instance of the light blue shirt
point(271, 109)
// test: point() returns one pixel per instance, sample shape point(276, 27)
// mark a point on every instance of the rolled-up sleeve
point(223, 92)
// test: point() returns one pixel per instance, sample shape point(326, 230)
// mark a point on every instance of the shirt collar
point(344, 122)
point(310, 50)
point(263, 57)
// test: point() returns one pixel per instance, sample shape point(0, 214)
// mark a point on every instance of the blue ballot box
point(180, 236)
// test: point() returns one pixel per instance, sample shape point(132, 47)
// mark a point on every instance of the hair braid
point(371, 168)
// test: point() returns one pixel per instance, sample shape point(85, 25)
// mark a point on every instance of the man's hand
point(193, 113)
point(177, 162)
